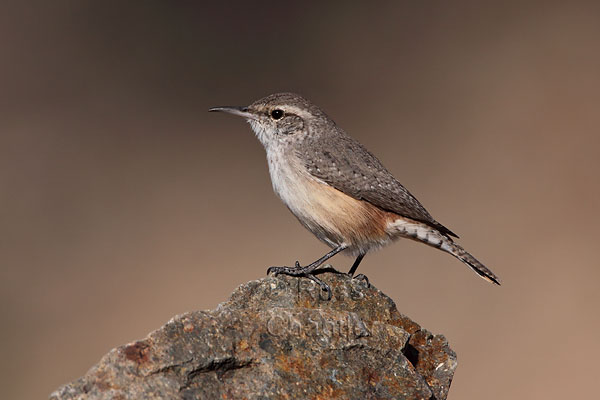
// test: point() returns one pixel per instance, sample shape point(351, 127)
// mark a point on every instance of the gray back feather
point(345, 164)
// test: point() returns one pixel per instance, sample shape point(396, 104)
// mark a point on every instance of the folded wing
point(342, 162)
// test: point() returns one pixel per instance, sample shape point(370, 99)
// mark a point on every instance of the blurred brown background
point(124, 202)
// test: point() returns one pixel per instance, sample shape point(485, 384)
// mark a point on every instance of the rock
point(279, 338)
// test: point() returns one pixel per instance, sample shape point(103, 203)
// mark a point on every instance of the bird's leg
point(355, 265)
point(360, 277)
point(307, 271)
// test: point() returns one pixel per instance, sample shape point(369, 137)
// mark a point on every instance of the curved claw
point(362, 277)
point(325, 287)
point(272, 269)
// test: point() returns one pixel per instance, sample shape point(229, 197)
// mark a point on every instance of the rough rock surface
point(279, 338)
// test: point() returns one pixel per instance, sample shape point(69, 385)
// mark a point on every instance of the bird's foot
point(296, 270)
point(301, 271)
point(362, 277)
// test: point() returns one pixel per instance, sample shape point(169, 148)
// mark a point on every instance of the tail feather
point(466, 257)
point(432, 237)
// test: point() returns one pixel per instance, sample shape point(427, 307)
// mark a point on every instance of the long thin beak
point(240, 111)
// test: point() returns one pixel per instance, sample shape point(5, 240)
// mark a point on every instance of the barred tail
point(471, 261)
point(426, 234)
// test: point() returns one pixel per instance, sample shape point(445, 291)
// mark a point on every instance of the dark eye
point(277, 113)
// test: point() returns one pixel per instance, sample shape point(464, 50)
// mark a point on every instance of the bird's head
point(279, 119)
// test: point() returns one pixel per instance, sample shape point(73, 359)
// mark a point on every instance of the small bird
point(337, 189)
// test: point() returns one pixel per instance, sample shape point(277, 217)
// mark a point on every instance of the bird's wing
point(342, 162)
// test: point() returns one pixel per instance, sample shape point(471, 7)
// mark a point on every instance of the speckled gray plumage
point(342, 162)
point(320, 172)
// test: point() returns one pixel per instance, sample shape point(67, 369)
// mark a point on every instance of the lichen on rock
point(279, 338)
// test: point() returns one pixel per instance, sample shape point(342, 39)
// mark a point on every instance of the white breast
point(291, 182)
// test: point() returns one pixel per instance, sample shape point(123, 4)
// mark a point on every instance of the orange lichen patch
point(426, 343)
point(307, 301)
point(371, 376)
point(295, 365)
point(243, 345)
point(137, 352)
point(324, 362)
point(403, 322)
point(330, 392)
point(399, 385)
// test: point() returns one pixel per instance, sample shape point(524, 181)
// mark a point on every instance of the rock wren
point(337, 189)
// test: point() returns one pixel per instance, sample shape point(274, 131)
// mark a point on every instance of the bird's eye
point(277, 113)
